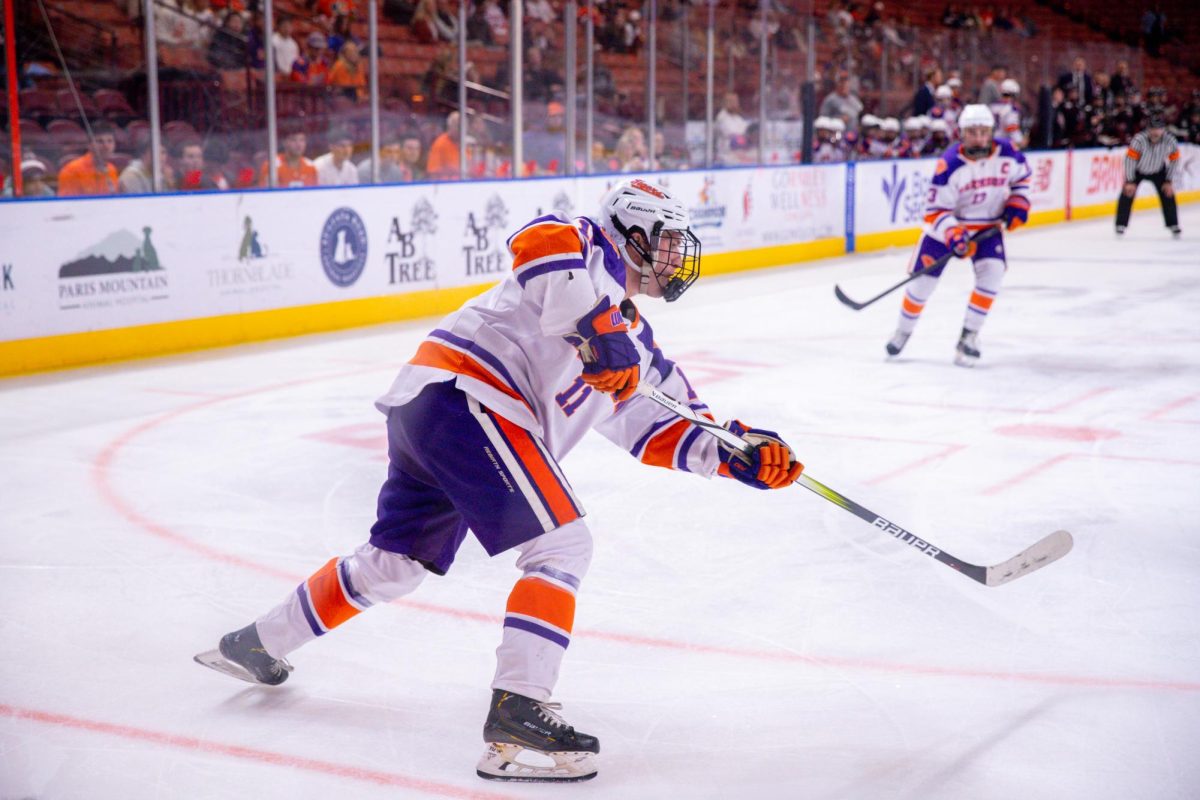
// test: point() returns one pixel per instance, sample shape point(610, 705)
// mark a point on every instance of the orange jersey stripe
point(660, 450)
point(935, 216)
point(432, 354)
point(328, 601)
point(983, 301)
point(547, 239)
point(911, 307)
point(543, 476)
point(541, 600)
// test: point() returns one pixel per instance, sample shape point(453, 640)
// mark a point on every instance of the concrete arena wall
point(91, 280)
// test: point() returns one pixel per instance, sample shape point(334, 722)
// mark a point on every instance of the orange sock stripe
point(911, 307)
point(536, 598)
point(981, 300)
point(525, 449)
point(660, 450)
point(328, 601)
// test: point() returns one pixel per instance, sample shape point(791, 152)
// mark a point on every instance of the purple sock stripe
point(537, 630)
point(526, 275)
point(907, 315)
point(475, 350)
point(558, 575)
point(344, 572)
point(308, 612)
point(986, 292)
point(681, 459)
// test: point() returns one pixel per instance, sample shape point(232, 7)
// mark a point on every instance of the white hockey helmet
point(837, 125)
point(976, 115)
point(822, 124)
point(943, 92)
point(939, 126)
point(891, 125)
point(913, 124)
point(954, 83)
point(869, 121)
point(1009, 86)
point(647, 217)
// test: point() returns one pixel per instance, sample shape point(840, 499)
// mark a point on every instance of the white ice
point(729, 643)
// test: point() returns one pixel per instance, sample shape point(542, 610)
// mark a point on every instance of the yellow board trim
point(119, 344)
point(779, 255)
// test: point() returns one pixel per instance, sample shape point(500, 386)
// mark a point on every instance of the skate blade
point(215, 661)
point(512, 762)
point(963, 360)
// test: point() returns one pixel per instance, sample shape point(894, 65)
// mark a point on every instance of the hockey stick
point(986, 233)
point(1043, 552)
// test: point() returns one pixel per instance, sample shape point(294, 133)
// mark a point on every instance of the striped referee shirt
point(1146, 158)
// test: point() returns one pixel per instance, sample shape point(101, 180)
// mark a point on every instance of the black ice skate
point(897, 343)
point(529, 741)
point(1176, 232)
point(968, 349)
point(1120, 230)
point(242, 656)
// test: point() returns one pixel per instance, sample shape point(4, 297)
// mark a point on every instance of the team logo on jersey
point(121, 268)
point(343, 247)
point(407, 262)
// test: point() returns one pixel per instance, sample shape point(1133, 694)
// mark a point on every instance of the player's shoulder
point(553, 225)
point(1006, 149)
point(950, 161)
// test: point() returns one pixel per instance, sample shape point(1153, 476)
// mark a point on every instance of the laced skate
point(897, 343)
point(968, 349)
point(529, 741)
point(241, 655)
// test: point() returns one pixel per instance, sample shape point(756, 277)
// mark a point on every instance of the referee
point(1153, 156)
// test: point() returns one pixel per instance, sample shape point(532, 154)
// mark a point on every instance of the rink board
point(90, 280)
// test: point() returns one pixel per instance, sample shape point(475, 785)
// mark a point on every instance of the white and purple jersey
point(506, 349)
point(1008, 122)
point(972, 192)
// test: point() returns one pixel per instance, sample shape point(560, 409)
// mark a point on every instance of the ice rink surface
point(728, 643)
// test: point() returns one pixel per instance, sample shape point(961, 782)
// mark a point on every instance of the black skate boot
point(241, 655)
point(529, 741)
point(968, 349)
point(897, 343)
point(1176, 231)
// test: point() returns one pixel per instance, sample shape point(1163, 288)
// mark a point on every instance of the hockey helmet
point(1010, 87)
point(869, 121)
point(913, 124)
point(943, 92)
point(939, 126)
point(656, 225)
point(890, 124)
point(837, 125)
point(821, 124)
point(976, 115)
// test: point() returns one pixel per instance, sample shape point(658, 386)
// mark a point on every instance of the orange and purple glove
point(771, 465)
point(611, 362)
point(959, 241)
point(1016, 212)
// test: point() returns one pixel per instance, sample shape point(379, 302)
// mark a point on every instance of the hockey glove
point(771, 465)
point(611, 362)
point(1016, 213)
point(959, 241)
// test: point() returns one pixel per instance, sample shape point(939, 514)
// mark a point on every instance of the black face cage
point(675, 260)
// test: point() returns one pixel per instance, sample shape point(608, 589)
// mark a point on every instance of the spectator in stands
point(1079, 79)
point(332, 9)
point(195, 173)
point(349, 73)
point(433, 22)
point(340, 33)
point(1121, 82)
point(410, 157)
point(990, 91)
point(547, 146)
point(311, 68)
point(841, 102)
point(391, 167)
point(335, 167)
point(443, 162)
point(92, 173)
point(229, 44)
point(33, 180)
point(292, 169)
point(138, 177)
point(923, 100)
point(630, 153)
point(284, 46)
point(731, 128)
point(256, 46)
point(540, 10)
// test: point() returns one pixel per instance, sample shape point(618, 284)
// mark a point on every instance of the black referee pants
point(1169, 209)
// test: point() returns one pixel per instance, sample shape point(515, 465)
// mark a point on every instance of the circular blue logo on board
point(344, 246)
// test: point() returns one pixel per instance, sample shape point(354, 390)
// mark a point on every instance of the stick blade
point(837, 290)
point(1044, 552)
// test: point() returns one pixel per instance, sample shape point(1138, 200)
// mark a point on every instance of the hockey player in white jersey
point(477, 423)
point(1008, 113)
point(978, 183)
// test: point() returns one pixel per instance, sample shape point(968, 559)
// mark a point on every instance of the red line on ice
point(103, 463)
point(1180, 403)
point(1020, 477)
point(1051, 410)
point(246, 753)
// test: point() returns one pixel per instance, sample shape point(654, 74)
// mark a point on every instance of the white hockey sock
point(541, 610)
point(341, 589)
point(989, 275)
point(916, 294)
